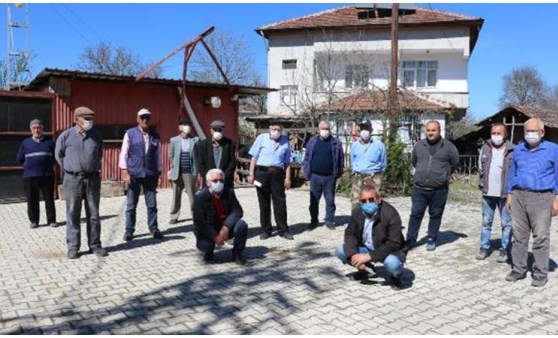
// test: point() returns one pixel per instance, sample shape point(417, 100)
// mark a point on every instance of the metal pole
point(394, 68)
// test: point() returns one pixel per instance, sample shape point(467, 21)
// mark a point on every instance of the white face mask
point(497, 139)
point(365, 135)
point(217, 135)
point(532, 137)
point(87, 125)
point(186, 129)
point(275, 134)
point(324, 134)
point(216, 188)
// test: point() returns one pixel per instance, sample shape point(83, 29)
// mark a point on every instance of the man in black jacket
point(433, 159)
point(374, 235)
point(218, 217)
point(217, 152)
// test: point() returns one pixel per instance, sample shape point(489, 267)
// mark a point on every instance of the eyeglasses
point(218, 180)
point(367, 200)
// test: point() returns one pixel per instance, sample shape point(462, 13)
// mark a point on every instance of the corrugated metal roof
point(46, 73)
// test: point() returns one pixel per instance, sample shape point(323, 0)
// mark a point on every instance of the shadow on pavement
point(138, 242)
point(83, 219)
point(444, 237)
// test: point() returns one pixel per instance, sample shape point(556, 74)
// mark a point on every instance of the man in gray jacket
point(494, 164)
point(183, 171)
point(433, 159)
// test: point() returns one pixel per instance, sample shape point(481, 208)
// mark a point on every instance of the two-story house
point(337, 63)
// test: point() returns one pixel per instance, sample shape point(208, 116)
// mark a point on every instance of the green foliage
point(344, 184)
point(397, 178)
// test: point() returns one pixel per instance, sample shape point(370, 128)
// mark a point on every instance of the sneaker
point(73, 254)
point(100, 252)
point(286, 235)
point(430, 246)
point(502, 256)
point(264, 235)
point(208, 257)
point(330, 226)
point(483, 253)
point(157, 234)
point(514, 276)
point(409, 245)
point(173, 221)
point(53, 224)
point(313, 226)
point(539, 281)
point(239, 259)
point(34, 225)
point(128, 236)
point(360, 275)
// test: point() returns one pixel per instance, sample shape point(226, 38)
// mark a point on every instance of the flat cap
point(217, 124)
point(83, 111)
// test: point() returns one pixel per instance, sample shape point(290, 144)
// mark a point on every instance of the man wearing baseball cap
point(78, 152)
point(140, 162)
point(217, 152)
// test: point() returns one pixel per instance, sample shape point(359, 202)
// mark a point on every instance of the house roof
point(376, 100)
point(348, 17)
point(548, 116)
point(46, 73)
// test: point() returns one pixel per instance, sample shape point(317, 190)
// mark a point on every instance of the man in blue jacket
point(323, 165)
point(36, 154)
point(140, 162)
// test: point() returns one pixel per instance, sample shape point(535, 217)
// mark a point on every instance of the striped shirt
point(185, 156)
point(37, 157)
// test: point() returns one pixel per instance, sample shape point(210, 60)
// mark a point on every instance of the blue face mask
point(370, 209)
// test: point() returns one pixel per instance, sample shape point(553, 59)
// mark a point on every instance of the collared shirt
point(368, 158)
point(534, 169)
point(270, 153)
point(126, 148)
point(367, 233)
point(77, 153)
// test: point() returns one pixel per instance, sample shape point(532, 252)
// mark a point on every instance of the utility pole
point(18, 71)
point(394, 67)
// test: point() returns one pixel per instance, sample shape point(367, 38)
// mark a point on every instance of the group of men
point(521, 179)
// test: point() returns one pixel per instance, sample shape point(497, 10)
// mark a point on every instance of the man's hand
point(222, 236)
point(126, 178)
point(251, 179)
point(287, 183)
point(199, 181)
point(555, 206)
point(359, 260)
point(509, 199)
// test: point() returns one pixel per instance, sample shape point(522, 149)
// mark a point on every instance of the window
point(288, 95)
point(289, 64)
point(356, 76)
point(420, 74)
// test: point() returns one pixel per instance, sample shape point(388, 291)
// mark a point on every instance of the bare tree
point(456, 129)
point(19, 74)
point(233, 55)
point(107, 59)
point(551, 97)
point(523, 86)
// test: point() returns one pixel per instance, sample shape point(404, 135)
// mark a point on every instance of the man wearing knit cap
point(78, 152)
point(217, 152)
point(36, 154)
point(140, 162)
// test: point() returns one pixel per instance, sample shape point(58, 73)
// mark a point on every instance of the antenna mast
point(18, 72)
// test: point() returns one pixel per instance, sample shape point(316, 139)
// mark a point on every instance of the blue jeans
point(435, 200)
point(392, 263)
point(239, 232)
point(318, 185)
point(149, 185)
point(489, 205)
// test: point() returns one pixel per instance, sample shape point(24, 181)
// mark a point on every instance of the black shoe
point(208, 257)
point(53, 224)
point(128, 236)
point(539, 281)
point(313, 226)
point(239, 259)
point(483, 253)
point(34, 225)
point(157, 234)
point(264, 235)
point(514, 276)
point(73, 254)
point(396, 283)
point(410, 245)
point(173, 221)
point(286, 235)
point(360, 275)
point(100, 252)
point(330, 226)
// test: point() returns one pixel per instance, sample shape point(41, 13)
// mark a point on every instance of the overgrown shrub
point(397, 178)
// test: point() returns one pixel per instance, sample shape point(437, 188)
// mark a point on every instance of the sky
point(513, 35)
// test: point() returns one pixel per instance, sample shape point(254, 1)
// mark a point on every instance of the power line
point(69, 23)
point(66, 7)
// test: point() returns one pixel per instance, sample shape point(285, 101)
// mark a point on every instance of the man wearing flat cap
point(217, 152)
point(140, 162)
point(78, 152)
point(36, 154)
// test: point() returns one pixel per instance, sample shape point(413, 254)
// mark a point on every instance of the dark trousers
point(318, 185)
point(149, 185)
point(273, 187)
point(45, 185)
point(239, 232)
point(435, 200)
point(76, 189)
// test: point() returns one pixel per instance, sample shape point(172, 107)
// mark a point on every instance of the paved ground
point(295, 287)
